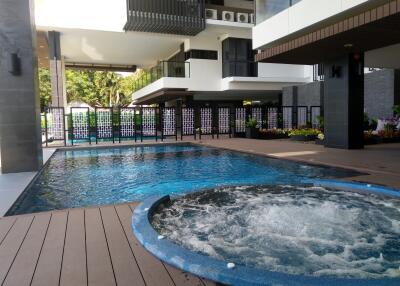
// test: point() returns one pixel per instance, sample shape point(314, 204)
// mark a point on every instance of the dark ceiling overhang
point(101, 67)
point(372, 29)
point(163, 96)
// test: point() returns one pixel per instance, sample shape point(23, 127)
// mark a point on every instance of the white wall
point(285, 71)
point(104, 15)
point(300, 16)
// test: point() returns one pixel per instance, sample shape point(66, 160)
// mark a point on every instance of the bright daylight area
point(199, 142)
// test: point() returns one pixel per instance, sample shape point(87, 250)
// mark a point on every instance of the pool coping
point(25, 179)
point(217, 270)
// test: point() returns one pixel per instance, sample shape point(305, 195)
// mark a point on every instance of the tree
point(95, 88)
point(44, 88)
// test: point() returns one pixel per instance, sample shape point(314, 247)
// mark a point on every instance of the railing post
point(45, 126)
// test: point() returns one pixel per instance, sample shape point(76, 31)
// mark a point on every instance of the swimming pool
point(100, 176)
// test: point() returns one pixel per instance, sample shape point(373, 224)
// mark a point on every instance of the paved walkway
point(381, 163)
point(80, 247)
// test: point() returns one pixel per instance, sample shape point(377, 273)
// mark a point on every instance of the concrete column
point(20, 133)
point(344, 102)
point(57, 71)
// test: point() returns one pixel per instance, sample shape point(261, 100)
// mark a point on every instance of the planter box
point(252, 133)
point(391, 140)
point(320, 142)
point(303, 137)
point(372, 140)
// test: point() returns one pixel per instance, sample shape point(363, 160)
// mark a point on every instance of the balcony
point(240, 69)
point(166, 16)
point(165, 69)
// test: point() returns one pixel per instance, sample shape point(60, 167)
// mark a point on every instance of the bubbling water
point(292, 229)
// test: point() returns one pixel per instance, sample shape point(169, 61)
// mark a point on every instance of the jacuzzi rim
point(217, 270)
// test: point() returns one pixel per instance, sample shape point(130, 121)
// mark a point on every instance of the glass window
point(267, 8)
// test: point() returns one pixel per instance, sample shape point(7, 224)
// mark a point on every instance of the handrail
point(163, 69)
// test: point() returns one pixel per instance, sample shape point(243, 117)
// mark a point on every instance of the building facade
point(347, 38)
point(193, 51)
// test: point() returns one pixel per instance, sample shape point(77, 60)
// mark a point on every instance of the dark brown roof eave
point(371, 29)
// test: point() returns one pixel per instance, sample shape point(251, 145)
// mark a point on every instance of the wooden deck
point(93, 246)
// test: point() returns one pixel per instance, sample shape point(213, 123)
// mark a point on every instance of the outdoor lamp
point(14, 64)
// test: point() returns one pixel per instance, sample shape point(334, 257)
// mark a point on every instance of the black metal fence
point(81, 124)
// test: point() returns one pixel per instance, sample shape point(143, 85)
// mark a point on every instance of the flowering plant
point(305, 132)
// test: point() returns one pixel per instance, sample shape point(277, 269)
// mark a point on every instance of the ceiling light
point(348, 46)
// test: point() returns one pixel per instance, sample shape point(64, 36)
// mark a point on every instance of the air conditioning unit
point(242, 17)
point(251, 18)
point(211, 14)
point(228, 16)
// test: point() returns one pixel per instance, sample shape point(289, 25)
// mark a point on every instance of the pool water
point(292, 229)
point(81, 178)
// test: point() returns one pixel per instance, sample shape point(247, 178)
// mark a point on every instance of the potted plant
point(252, 129)
point(390, 134)
point(371, 138)
point(320, 139)
point(305, 134)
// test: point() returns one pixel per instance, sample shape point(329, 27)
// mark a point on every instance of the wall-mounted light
point(14, 64)
point(336, 71)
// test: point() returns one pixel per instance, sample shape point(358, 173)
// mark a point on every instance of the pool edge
point(217, 270)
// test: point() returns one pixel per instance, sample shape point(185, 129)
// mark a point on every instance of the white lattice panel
point(149, 121)
point(223, 120)
point(104, 123)
point(55, 124)
point(80, 123)
point(287, 113)
point(187, 121)
point(240, 120)
point(256, 113)
point(127, 122)
point(272, 117)
point(206, 120)
point(169, 121)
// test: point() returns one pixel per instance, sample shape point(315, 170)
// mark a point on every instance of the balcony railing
point(240, 69)
point(163, 69)
point(265, 9)
point(166, 16)
point(318, 72)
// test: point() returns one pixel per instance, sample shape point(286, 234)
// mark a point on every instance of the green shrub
point(251, 123)
point(304, 132)
point(396, 110)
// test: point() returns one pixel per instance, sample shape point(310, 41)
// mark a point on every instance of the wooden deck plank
point(24, 265)
point(182, 278)
point(73, 271)
point(5, 226)
point(100, 270)
point(125, 266)
point(49, 264)
point(153, 270)
point(12, 243)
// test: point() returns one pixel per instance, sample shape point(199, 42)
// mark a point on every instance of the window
point(201, 54)
point(265, 9)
